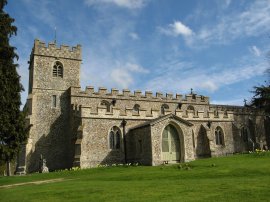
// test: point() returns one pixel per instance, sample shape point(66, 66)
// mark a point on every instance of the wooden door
point(170, 144)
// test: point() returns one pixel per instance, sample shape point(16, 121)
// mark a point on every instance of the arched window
point(163, 108)
point(114, 138)
point(190, 107)
point(106, 104)
point(219, 136)
point(244, 134)
point(58, 69)
point(136, 109)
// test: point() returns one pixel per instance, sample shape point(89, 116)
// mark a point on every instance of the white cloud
point(130, 4)
point(123, 75)
point(205, 79)
point(175, 29)
point(253, 20)
point(255, 50)
point(135, 68)
point(134, 36)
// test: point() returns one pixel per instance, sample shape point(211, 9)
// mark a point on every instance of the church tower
point(52, 71)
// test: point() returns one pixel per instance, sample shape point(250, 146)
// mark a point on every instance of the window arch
point(58, 69)
point(163, 108)
point(219, 135)
point(136, 109)
point(190, 107)
point(114, 138)
point(244, 134)
point(106, 104)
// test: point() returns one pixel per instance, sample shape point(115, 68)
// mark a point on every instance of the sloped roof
point(162, 118)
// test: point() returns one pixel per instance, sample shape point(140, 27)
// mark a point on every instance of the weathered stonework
point(72, 127)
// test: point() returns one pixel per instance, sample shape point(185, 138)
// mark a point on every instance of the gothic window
point(106, 104)
point(244, 134)
point(163, 108)
point(136, 109)
point(219, 135)
point(58, 69)
point(54, 101)
point(114, 138)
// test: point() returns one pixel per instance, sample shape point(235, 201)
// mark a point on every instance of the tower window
point(58, 69)
point(54, 101)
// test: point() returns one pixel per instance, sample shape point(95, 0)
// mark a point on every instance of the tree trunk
point(8, 168)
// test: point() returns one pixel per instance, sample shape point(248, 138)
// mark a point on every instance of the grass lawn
point(234, 178)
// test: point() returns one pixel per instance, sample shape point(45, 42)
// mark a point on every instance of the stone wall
point(50, 134)
point(139, 145)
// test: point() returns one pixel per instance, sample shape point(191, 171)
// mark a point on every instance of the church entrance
point(170, 144)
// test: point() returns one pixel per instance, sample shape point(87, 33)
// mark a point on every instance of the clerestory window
point(136, 109)
point(164, 107)
point(106, 104)
point(58, 69)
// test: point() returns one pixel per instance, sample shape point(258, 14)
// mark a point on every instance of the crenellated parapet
point(52, 50)
point(239, 110)
point(149, 114)
point(138, 95)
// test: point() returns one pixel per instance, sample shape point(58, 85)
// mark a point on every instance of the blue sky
point(216, 47)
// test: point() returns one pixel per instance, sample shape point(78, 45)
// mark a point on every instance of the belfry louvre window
point(114, 138)
point(58, 69)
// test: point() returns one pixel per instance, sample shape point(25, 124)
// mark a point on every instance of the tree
point(261, 99)
point(13, 129)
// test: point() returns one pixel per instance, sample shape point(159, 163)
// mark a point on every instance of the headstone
point(43, 167)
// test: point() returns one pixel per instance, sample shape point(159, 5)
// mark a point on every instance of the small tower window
point(58, 69)
point(54, 101)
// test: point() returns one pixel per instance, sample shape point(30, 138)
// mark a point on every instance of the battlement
point(51, 50)
point(236, 109)
point(138, 95)
point(149, 113)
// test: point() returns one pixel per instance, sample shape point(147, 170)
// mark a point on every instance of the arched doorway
point(170, 144)
point(203, 147)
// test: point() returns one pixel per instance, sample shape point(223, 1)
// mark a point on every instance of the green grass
point(235, 178)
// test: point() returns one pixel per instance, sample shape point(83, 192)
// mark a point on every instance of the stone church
point(85, 128)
